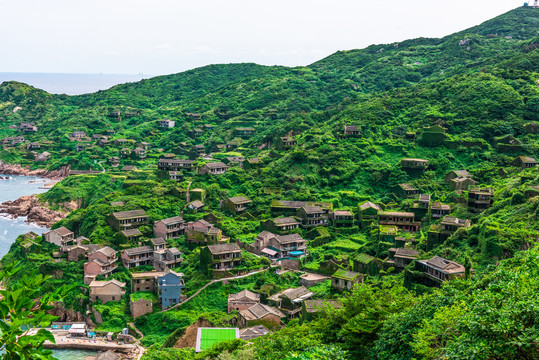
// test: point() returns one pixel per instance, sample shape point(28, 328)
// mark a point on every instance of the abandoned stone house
point(101, 261)
point(170, 228)
point(166, 123)
point(213, 168)
point(130, 235)
point(424, 201)
point(245, 131)
point(236, 205)
point(111, 290)
point(408, 190)
point(140, 307)
point(312, 216)
point(401, 257)
point(78, 134)
point(345, 279)
point(480, 199)
point(414, 164)
point(280, 225)
point(438, 210)
point(174, 164)
point(175, 176)
point(242, 300)
point(461, 183)
point(289, 301)
point(61, 236)
point(368, 213)
point(221, 257)
point(260, 313)
point(402, 220)
point(234, 161)
point(525, 162)
point(145, 281)
point(449, 225)
point(275, 246)
point(291, 207)
point(142, 255)
point(342, 218)
point(456, 174)
point(439, 269)
point(203, 232)
point(164, 259)
point(286, 142)
point(124, 220)
point(140, 152)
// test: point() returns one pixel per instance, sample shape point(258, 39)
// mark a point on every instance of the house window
point(113, 298)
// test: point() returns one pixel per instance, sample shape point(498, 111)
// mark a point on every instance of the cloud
point(162, 46)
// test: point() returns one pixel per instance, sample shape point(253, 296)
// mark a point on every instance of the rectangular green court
point(206, 337)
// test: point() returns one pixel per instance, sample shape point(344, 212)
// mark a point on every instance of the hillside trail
point(141, 349)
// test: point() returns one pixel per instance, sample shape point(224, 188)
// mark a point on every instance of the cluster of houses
point(288, 304)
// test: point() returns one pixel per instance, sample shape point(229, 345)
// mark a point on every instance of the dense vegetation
point(479, 84)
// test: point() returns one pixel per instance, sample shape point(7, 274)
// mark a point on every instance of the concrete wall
point(140, 307)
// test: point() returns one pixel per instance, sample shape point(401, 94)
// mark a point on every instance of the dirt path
point(140, 348)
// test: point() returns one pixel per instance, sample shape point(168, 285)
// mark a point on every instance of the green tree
point(21, 309)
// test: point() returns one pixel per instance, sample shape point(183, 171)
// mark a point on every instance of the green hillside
point(468, 101)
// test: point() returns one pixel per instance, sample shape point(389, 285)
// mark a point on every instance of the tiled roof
point(439, 206)
point(223, 248)
point(173, 220)
point(285, 221)
point(123, 215)
point(258, 311)
point(346, 274)
point(368, 204)
point(158, 241)
point(244, 294)
point(313, 209)
point(396, 213)
point(444, 265)
point(285, 239)
point(408, 253)
point(196, 204)
point(216, 165)
point(300, 293)
point(131, 232)
point(95, 283)
point(107, 251)
point(139, 250)
point(342, 213)
point(63, 231)
point(239, 200)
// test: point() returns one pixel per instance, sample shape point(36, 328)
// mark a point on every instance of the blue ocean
point(11, 189)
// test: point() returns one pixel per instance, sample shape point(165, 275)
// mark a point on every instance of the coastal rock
point(37, 213)
point(10, 169)
point(69, 316)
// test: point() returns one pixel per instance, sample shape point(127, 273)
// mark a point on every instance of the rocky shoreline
point(35, 211)
point(10, 169)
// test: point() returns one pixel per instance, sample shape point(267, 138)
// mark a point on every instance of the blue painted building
point(170, 288)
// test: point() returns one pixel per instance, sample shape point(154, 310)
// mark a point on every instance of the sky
point(168, 36)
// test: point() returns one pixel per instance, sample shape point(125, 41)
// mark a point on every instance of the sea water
point(72, 354)
point(11, 188)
